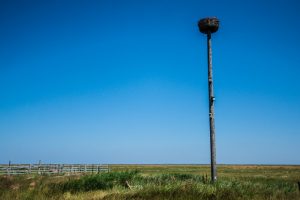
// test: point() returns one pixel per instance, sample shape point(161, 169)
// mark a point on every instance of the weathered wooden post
point(8, 168)
point(209, 26)
point(39, 167)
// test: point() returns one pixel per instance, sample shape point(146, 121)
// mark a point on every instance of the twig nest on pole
point(208, 25)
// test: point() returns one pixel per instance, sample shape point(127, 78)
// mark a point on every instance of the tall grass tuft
point(101, 181)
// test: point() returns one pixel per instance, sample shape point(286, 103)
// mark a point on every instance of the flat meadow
point(180, 182)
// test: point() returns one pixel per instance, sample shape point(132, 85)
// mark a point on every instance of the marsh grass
point(133, 184)
point(103, 181)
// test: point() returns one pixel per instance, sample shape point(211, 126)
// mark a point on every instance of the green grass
point(181, 182)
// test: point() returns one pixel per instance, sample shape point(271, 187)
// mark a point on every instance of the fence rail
point(18, 169)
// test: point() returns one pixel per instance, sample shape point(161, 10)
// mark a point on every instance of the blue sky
point(126, 82)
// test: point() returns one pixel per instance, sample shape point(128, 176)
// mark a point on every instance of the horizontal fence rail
point(18, 169)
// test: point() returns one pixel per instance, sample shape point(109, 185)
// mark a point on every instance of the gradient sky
point(126, 82)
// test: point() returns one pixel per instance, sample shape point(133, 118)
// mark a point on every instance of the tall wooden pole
point(209, 26)
point(211, 112)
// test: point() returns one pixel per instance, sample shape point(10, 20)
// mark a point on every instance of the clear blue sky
point(126, 82)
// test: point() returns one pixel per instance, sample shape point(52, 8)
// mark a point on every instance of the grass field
point(160, 182)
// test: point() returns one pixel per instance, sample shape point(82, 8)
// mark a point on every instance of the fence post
point(39, 167)
point(8, 168)
point(29, 169)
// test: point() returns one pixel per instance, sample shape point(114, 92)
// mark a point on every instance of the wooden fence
point(17, 169)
